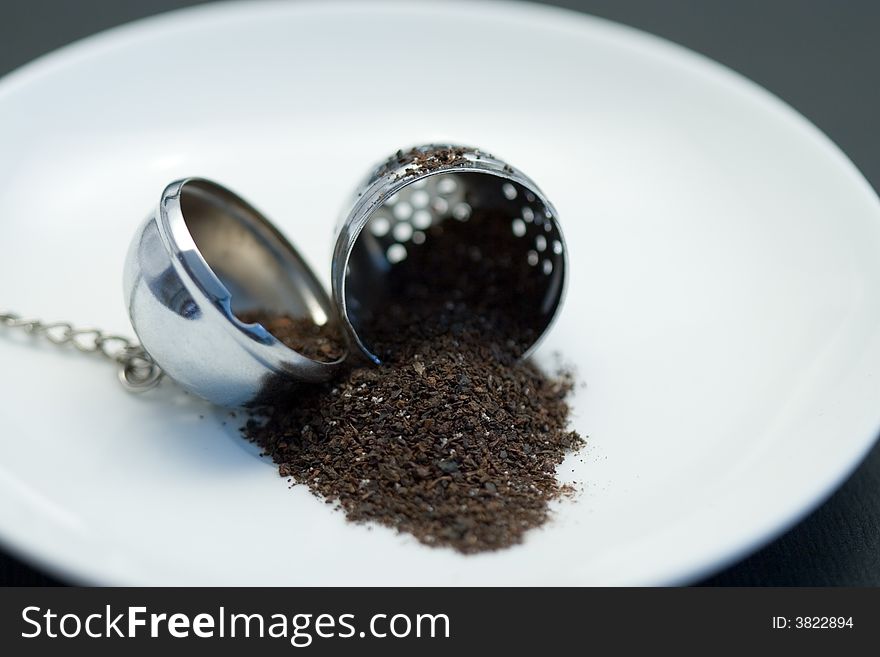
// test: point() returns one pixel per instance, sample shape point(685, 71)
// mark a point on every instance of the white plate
point(723, 307)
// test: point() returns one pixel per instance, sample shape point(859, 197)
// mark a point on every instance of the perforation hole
point(420, 198)
point(421, 219)
point(446, 185)
point(462, 211)
point(402, 231)
point(396, 253)
point(403, 211)
point(379, 226)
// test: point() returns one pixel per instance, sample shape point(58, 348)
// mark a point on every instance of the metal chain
point(137, 370)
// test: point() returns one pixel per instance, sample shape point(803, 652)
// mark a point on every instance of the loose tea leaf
point(450, 439)
point(321, 342)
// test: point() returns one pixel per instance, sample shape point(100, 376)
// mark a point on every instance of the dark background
point(822, 57)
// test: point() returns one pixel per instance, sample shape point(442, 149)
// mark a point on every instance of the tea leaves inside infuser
point(452, 439)
point(323, 342)
point(485, 217)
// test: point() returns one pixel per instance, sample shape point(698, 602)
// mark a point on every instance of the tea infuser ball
point(409, 197)
point(205, 257)
point(201, 259)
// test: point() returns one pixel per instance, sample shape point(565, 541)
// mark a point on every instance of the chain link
point(137, 371)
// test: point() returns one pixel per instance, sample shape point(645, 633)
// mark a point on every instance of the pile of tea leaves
point(452, 439)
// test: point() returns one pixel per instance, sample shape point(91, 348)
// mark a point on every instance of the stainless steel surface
point(200, 258)
point(423, 186)
point(137, 372)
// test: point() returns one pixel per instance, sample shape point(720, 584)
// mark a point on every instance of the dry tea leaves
point(451, 439)
point(315, 341)
point(468, 279)
point(452, 447)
